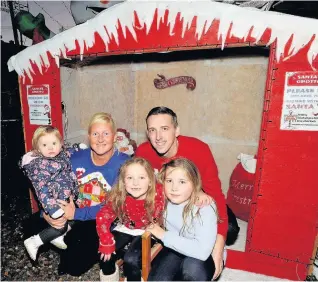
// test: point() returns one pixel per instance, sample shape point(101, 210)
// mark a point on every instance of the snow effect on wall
point(283, 27)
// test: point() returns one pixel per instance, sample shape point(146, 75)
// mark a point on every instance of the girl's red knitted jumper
point(135, 217)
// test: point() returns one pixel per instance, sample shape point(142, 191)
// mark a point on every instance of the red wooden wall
point(51, 76)
point(283, 223)
point(282, 227)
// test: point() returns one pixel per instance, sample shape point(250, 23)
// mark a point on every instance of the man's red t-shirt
point(200, 154)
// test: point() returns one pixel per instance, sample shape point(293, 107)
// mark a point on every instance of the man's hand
point(156, 230)
point(203, 200)
point(68, 208)
point(217, 255)
point(55, 223)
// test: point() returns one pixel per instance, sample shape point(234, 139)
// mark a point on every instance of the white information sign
point(39, 104)
point(300, 104)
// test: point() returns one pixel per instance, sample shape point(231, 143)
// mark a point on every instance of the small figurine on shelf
point(124, 144)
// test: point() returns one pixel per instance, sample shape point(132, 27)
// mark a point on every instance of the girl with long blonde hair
point(190, 232)
point(136, 201)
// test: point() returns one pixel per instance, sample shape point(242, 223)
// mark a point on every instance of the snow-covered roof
point(282, 27)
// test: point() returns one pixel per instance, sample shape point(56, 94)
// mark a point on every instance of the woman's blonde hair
point(118, 194)
point(44, 130)
point(101, 118)
point(194, 177)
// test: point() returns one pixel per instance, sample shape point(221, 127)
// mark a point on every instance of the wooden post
point(14, 27)
point(146, 255)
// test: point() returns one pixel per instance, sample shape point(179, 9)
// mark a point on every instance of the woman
point(96, 169)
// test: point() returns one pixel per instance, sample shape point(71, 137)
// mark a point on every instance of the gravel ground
point(15, 263)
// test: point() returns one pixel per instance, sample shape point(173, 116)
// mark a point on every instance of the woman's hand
point(68, 208)
point(55, 223)
point(156, 230)
point(203, 200)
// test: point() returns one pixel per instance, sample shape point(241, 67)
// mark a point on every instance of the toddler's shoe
point(32, 245)
point(59, 242)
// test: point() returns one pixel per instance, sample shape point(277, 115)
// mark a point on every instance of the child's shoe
point(59, 242)
point(32, 245)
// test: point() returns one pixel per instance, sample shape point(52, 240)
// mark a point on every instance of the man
point(165, 143)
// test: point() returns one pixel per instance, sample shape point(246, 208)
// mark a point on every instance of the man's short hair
point(163, 111)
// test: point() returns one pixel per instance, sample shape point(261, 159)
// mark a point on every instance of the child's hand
point(105, 257)
point(106, 251)
point(156, 230)
point(217, 255)
point(203, 200)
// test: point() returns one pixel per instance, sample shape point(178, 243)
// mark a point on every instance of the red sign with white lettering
point(308, 78)
point(38, 90)
point(38, 97)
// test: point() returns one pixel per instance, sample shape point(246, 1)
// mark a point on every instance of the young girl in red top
point(136, 201)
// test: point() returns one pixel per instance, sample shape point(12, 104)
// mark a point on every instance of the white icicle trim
point(283, 26)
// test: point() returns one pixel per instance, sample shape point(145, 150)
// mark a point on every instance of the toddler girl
point(49, 169)
point(136, 201)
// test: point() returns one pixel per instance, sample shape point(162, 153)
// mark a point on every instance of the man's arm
point(212, 186)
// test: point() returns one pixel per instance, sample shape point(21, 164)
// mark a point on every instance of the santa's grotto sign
point(300, 104)
point(39, 104)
